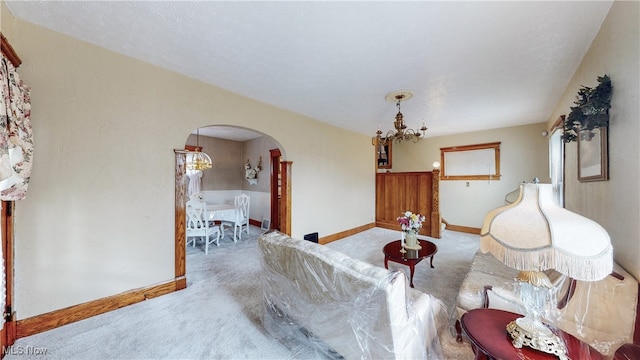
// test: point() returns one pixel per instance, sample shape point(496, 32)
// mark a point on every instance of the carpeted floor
point(218, 315)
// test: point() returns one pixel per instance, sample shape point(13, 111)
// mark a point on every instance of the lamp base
point(528, 332)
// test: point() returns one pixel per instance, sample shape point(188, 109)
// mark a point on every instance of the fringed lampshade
point(535, 234)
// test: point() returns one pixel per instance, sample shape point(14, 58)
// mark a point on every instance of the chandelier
point(197, 160)
point(401, 132)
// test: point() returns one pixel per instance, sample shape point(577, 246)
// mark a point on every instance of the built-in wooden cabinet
point(413, 191)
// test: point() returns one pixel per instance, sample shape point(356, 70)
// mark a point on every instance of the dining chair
point(198, 227)
point(242, 201)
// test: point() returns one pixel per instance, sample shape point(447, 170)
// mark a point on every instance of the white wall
point(99, 216)
point(524, 154)
point(614, 204)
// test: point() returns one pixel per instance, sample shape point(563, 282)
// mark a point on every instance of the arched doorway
point(279, 173)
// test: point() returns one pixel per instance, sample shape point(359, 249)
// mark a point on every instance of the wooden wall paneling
point(399, 192)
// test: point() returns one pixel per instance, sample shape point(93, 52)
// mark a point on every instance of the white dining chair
point(242, 201)
point(198, 227)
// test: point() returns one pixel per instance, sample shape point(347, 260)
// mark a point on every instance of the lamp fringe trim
point(583, 269)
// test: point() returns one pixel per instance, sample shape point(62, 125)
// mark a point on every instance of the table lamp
point(535, 234)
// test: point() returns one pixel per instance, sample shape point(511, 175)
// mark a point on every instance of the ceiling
point(471, 65)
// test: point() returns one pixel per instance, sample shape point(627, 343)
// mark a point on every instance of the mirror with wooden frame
point(471, 162)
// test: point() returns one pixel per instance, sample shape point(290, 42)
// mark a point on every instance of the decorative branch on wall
point(251, 174)
point(591, 111)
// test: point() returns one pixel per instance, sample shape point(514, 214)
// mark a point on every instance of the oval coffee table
point(410, 257)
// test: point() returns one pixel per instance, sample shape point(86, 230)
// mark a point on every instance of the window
point(556, 161)
point(471, 162)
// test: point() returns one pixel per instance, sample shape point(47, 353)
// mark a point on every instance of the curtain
point(16, 145)
point(194, 181)
point(16, 136)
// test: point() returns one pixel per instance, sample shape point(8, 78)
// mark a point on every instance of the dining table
point(224, 212)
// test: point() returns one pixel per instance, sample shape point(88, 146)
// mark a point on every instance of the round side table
point(486, 329)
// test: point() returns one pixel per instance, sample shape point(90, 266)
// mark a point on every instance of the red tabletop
point(394, 251)
point(486, 329)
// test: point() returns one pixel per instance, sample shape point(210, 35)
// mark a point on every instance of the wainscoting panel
point(408, 191)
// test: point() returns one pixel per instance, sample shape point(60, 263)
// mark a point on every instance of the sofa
point(342, 307)
point(603, 314)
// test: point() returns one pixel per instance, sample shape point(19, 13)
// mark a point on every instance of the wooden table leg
point(386, 262)
point(412, 267)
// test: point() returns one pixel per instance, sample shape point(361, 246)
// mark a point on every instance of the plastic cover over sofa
point(343, 307)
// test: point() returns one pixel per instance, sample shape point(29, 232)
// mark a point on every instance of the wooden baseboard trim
point(464, 229)
point(448, 226)
point(51, 320)
point(394, 226)
point(343, 234)
point(181, 283)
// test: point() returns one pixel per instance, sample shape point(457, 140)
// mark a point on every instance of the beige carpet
point(218, 316)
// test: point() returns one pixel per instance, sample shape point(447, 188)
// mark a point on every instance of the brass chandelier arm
point(401, 133)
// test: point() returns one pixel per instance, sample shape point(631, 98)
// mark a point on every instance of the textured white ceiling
point(471, 65)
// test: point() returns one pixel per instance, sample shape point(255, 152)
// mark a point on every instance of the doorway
point(276, 188)
point(281, 177)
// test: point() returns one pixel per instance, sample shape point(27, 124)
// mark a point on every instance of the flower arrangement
point(410, 221)
point(251, 173)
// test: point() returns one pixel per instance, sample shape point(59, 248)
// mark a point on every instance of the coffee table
point(486, 329)
point(410, 257)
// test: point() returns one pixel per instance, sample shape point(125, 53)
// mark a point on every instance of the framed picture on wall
point(383, 155)
point(593, 155)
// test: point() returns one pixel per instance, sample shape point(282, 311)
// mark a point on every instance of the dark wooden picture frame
point(593, 155)
point(384, 155)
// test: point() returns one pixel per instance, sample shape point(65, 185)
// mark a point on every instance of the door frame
point(275, 155)
point(8, 331)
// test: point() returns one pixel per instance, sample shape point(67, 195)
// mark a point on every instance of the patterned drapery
point(16, 136)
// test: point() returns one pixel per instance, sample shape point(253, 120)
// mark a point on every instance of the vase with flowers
point(411, 224)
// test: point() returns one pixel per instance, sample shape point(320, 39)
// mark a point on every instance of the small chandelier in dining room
point(401, 132)
point(197, 160)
